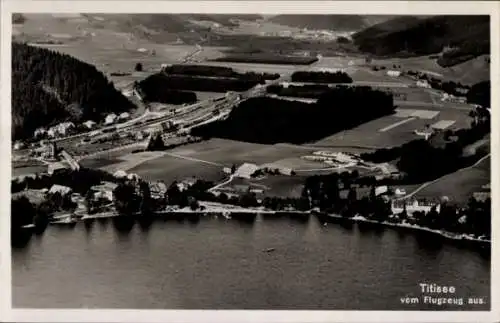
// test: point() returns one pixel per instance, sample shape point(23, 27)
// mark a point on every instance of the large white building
point(394, 73)
point(412, 206)
point(423, 84)
point(110, 119)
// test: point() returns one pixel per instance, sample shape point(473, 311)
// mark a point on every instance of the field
point(270, 186)
point(204, 160)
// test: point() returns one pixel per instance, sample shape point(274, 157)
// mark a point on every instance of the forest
point(269, 120)
point(50, 87)
point(218, 71)
point(321, 77)
point(194, 83)
point(310, 91)
point(465, 37)
point(480, 93)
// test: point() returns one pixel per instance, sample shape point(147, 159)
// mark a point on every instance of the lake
point(230, 264)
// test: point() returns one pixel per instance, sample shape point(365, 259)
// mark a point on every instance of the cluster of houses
point(66, 128)
point(338, 159)
point(451, 98)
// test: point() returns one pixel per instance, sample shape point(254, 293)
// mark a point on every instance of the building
point(381, 190)
point(423, 84)
point(47, 151)
point(56, 167)
point(104, 190)
point(393, 73)
point(400, 192)
point(133, 177)
point(40, 132)
point(412, 206)
point(63, 190)
point(18, 145)
point(120, 174)
point(158, 190)
point(481, 196)
point(61, 129)
point(110, 119)
point(246, 170)
point(426, 133)
point(124, 116)
point(89, 124)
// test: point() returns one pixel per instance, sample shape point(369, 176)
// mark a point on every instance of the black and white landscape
point(260, 162)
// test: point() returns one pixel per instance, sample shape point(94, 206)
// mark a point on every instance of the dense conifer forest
point(50, 87)
point(268, 120)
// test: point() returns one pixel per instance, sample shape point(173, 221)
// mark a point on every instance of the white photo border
point(8, 314)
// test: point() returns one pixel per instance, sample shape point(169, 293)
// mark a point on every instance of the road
point(362, 83)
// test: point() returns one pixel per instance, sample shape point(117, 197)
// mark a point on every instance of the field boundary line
point(193, 159)
point(397, 124)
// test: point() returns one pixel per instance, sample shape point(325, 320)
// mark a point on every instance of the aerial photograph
point(250, 161)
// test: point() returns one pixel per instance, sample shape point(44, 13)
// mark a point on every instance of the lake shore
point(230, 211)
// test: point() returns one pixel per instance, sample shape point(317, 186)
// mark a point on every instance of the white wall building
point(423, 84)
point(63, 190)
point(89, 124)
point(53, 167)
point(394, 73)
point(124, 116)
point(110, 118)
point(413, 206)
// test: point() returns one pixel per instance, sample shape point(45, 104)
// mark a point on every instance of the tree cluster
point(161, 82)
point(267, 58)
point(218, 71)
point(480, 93)
point(321, 77)
point(50, 87)
point(269, 120)
point(311, 91)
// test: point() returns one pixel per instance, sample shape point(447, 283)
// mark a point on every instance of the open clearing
point(207, 159)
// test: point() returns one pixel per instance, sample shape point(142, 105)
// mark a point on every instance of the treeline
point(311, 91)
point(420, 160)
point(321, 77)
point(480, 93)
point(267, 58)
point(152, 89)
point(50, 87)
point(193, 83)
point(268, 120)
point(218, 71)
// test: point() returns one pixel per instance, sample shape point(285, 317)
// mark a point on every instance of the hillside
point(329, 22)
point(463, 37)
point(49, 87)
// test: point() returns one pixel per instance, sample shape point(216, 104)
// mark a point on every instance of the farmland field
point(206, 159)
